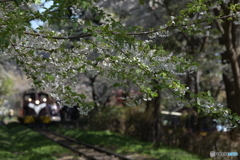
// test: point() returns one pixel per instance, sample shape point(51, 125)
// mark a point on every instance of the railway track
point(86, 151)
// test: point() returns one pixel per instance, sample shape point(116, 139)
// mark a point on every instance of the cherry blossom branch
point(56, 37)
point(7, 1)
point(116, 33)
point(28, 47)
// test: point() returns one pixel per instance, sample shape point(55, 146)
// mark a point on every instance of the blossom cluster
point(54, 61)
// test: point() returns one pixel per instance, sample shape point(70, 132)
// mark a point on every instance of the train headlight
point(29, 99)
point(37, 102)
point(44, 99)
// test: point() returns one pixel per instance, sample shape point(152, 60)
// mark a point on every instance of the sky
point(37, 23)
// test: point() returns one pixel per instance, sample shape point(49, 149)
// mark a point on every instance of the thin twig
point(6, 1)
point(55, 37)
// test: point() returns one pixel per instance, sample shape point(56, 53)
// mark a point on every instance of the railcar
point(37, 107)
point(69, 114)
point(192, 123)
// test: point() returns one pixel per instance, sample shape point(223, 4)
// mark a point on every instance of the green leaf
point(106, 27)
point(82, 95)
point(116, 85)
point(37, 1)
point(19, 1)
point(209, 93)
point(235, 118)
point(192, 95)
point(50, 78)
point(138, 70)
point(141, 2)
point(114, 24)
point(85, 30)
point(198, 110)
point(99, 38)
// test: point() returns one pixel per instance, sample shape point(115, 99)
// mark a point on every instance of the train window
point(29, 98)
point(43, 97)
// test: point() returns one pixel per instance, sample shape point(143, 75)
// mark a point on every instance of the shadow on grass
point(21, 143)
point(126, 145)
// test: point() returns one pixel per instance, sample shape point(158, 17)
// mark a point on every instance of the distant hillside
point(20, 81)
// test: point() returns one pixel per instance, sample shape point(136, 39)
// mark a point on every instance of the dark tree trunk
point(230, 56)
point(156, 119)
point(94, 94)
point(154, 107)
point(94, 97)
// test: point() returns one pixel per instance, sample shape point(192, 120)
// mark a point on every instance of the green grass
point(20, 143)
point(124, 145)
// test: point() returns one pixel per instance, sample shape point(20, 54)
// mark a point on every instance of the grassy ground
point(20, 143)
point(126, 145)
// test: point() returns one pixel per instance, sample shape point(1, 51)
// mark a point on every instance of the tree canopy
point(79, 36)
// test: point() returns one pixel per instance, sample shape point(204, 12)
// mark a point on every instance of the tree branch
point(116, 33)
point(7, 1)
point(55, 37)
